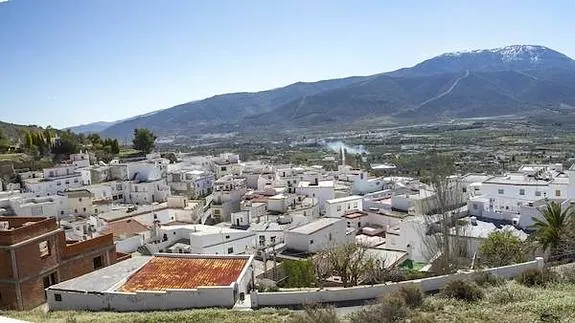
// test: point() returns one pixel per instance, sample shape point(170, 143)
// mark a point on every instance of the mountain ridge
point(501, 81)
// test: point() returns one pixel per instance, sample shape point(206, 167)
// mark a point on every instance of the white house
point(336, 208)
point(204, 239)
point(318, 235)
point(321, 190)
point(161, 282)
point(227, 196)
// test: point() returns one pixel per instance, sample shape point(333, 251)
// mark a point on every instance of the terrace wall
point(334, 295)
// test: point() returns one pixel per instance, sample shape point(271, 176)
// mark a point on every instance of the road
point(442, 94)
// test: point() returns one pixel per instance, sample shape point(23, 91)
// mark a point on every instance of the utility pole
point(275, 263)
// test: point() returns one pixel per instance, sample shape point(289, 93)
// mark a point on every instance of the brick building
point(34, 254)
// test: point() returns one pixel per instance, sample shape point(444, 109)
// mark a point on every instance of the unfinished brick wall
point(29, 261)
point(33, 293)
point(8, 299)
point(5, 264)
point(22, 233)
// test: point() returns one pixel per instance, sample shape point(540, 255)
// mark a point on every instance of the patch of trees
point(144, 140)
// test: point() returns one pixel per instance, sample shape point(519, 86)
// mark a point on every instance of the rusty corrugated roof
point(162, 273)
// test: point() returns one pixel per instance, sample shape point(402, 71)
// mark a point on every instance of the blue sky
point(68, 62)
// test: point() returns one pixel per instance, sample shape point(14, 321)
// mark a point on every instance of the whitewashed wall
point(332, 295)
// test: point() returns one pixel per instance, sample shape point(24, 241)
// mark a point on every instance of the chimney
point(473, 220)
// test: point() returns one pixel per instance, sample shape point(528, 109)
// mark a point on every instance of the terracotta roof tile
point(126, 227)
point(162, 273)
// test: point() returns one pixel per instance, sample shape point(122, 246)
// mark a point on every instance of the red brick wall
point(5, 264)
point(39, 227)
point(88, 245)
point(29, 261)
point(85, 264)
point(33, 293)
point(8, 299)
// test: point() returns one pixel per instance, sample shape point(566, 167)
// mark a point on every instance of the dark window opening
point(58, 297)
point(98, 262)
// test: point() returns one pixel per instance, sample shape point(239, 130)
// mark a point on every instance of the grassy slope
point(196, 316)
point(508, 303)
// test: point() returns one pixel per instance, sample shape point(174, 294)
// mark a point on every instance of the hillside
point(15, 132)
point(222, 113)
point(520, 79)
point(93, 127)
point(508, 303)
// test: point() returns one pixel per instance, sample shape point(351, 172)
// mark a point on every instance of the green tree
point(4, 141)
point(501, 248)
point(67, 144)
point(300, 273)
point(144, 140)
point(28, 140)
point(549, 230)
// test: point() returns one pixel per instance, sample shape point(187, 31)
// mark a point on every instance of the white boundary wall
point(334, 295)
point(142, 300)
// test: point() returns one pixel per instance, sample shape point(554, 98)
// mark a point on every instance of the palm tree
point(549, 230)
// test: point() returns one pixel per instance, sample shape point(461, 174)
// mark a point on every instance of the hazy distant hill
point(94, 127)
point(16, 132)
point(509, 80)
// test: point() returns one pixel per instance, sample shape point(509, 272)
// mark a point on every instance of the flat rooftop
point(316, 225)
point(319, 184)
point(162, 273)
point(344, 199)
point(516, 179)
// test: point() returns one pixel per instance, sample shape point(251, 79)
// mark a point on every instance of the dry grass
point(510, 302)
point(199, 316)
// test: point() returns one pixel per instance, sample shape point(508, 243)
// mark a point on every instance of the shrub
point(462, 290)
point(412, 295)
point(316, 313)
point(422, 318)
point(567, 274)
point(536, 277)
point(485, 279)
point(509, 293)
point(390, 309)
point(415, 274)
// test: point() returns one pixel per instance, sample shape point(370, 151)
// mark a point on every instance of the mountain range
point(518, 79)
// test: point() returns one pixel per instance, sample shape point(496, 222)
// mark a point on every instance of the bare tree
point(351, 262)
point(442, 236)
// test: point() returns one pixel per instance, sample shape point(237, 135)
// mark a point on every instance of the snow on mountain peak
point(509, 53)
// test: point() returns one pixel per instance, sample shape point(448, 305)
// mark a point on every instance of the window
point(80, 199)
point(464, 189)
point(522, 191)
point(67, 182)
point(330, 237)
point(44, 249)
point(311, 242)
point(557, 192)
point(474, 206)
point(500, 191)
point(227, 237)
point(230, 250)
point(224, 169)
point(84, 209)
point(75, 180)
point(537, 193)
point(75, 210)
point(61, 212)
point(339, 208)
point(58, 297)
point(97, 262)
